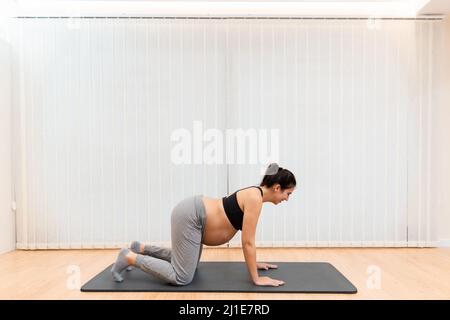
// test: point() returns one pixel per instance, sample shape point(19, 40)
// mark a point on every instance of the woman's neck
point(267, 194)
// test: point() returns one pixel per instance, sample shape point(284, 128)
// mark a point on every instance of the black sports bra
point(232, 209)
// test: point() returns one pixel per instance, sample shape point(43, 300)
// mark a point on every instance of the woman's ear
point(276, 187)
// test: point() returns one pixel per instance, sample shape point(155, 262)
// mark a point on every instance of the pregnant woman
point(200, 220)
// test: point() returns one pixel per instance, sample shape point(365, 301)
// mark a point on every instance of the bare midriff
point(218, 228)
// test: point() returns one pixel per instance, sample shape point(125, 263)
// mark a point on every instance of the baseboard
point(443, 243)
point(83, 246)
point(6, 250)
point(259, 244)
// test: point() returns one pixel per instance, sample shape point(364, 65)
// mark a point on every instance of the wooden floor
point(406, 273)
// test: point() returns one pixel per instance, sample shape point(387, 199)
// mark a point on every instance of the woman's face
point(282, 195)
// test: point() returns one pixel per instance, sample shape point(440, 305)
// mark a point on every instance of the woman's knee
point(182, 280)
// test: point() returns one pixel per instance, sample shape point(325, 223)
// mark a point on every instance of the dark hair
point(275, 174)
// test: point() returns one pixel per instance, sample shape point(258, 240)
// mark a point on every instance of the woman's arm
point(252, 210)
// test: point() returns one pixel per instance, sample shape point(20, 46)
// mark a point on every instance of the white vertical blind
point(421, 221)
point(353, 103)
point(100, 101)
point(96, 102)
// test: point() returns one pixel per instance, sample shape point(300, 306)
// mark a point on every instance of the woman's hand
point(266, 281)
point(265, 266)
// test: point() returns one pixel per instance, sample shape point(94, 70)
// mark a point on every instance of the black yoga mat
point(299, 277)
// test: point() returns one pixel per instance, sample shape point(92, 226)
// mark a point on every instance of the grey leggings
point(178, 266)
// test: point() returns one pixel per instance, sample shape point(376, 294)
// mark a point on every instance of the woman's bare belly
point(218, 228)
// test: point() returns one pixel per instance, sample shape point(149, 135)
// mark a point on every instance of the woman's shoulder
point(252, 193)
point(250, 198)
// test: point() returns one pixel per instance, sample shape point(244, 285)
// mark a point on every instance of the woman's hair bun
point(272, 169)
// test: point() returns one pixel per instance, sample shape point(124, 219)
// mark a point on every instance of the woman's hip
point(190, 212)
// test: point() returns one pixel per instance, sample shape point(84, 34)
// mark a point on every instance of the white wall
point(442, 149)
point(7, 232)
